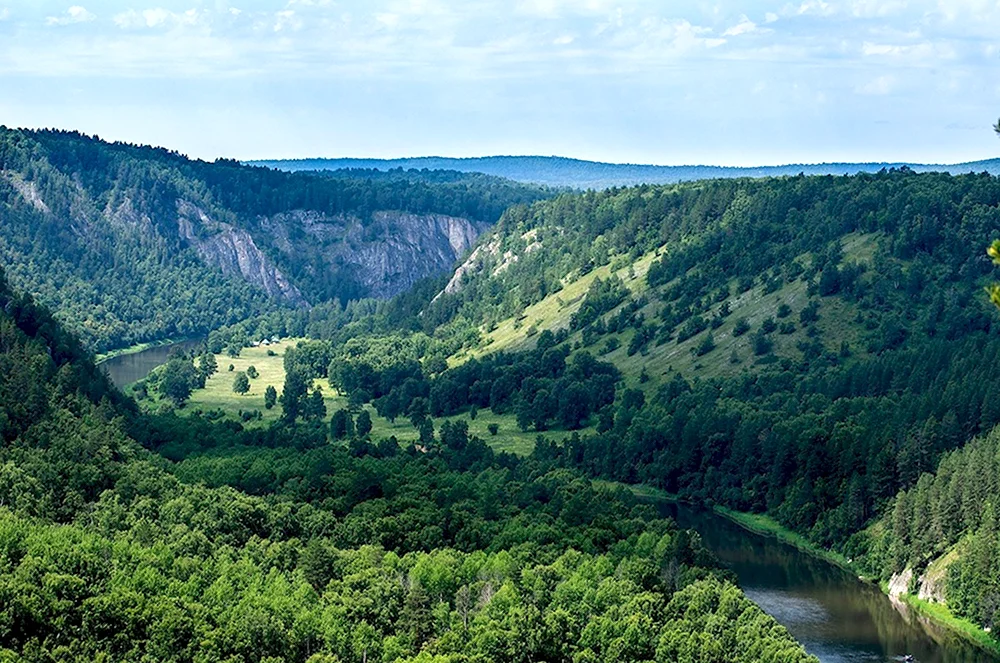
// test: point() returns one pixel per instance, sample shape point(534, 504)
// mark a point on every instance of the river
point(128, 368)
point(837, 617)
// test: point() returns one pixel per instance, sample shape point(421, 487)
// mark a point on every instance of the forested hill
point(132, 243)
point(279, 546)
point(805, 347)
point(801, 346)
point(580, 174)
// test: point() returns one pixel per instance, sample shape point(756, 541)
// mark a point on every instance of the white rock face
point(27, 189)
point(899, 583)
point(385, 254)
point(234, 252)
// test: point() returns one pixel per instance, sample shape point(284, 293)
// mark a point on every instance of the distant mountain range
point(579, 174)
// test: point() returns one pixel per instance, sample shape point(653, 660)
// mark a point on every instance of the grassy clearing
point(554, 312)
point(218, 395)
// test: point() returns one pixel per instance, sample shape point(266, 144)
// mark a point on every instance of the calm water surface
point(834, 615)
point(126, 369)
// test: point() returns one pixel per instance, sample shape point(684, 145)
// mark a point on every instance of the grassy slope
point(836, 324)
point(554, 312)
point(218, 395)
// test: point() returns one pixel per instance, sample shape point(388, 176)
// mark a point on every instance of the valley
point(813, 354)
point(679, 344)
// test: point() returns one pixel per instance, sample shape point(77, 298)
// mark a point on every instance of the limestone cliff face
point(233, 251)
point(379, 256)
point(383, 255)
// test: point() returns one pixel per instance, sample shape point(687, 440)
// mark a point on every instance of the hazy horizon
point(643, 82)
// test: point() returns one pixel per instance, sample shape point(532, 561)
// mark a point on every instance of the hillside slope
point(801, 346)
point(131, 244)
point(279, 546)
point(580, 174)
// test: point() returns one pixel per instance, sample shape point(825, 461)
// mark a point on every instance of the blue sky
point(735, 83)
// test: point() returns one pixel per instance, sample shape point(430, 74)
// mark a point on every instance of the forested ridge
point(132, 537)
point(131, 243)
point(857, 347)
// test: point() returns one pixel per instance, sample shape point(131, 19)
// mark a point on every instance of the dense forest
point(812, 348)
point(821, 436)
point(132, 244)
point(132, 537)
point(952, 509)
point(880, 363)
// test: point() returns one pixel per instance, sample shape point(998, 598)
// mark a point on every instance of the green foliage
point(241, 383)
point(953, 508)
point(707, 345)
point(176, 379)
point(109, 234)
point(342, 425)
point(603, 296)
point(270, 397)
point(276, 546)
point(207, 365)
point(363, 425)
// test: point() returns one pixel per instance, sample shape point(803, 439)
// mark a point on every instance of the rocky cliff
point(383, 255)
point(233, 251)
point(132, 243)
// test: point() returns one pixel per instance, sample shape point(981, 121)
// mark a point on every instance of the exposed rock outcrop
point(385, 254)
point(233, 251)
point(27, 189)
point(899, 583)
point(472, 265)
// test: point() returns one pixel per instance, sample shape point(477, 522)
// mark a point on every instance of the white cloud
point(877, 8)
point(745, 26)
point(388, 19)
point(559, 8)
point(287, 20)
point(770, 17)
point(4, 13)
point(563, 40)
point(157, 17)
point(912, 54)
point(811, 8)
point(879, 86)
point(75, 14)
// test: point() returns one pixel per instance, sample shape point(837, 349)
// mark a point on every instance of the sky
point(641, 81)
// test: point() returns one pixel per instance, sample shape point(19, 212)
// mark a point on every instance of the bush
point(762, 345)
point(493, 429)
point(742, 327)
point(707, 345)
point(241, 383)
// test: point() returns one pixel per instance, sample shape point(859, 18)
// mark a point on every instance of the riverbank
point(763, 525)
point(940, 614)
point(937, 612)
point(767, 526)
point(136, 349)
